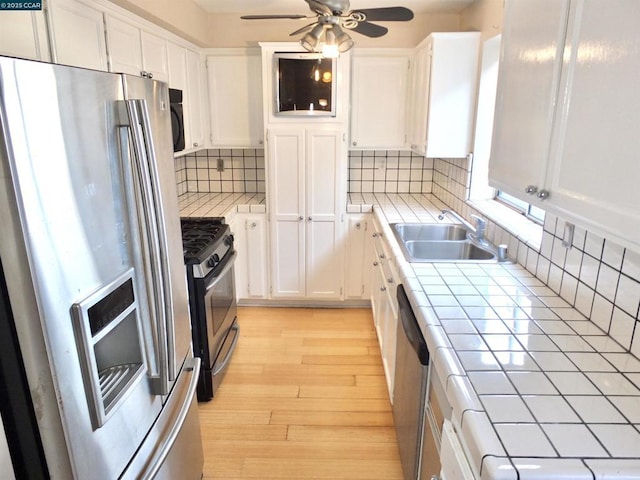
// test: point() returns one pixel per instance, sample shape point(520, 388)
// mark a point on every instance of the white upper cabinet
point(78, 35)
point(24, 34)
point(196, 98)
point(529, 75)
point(185, 74)
point(235, 98)
point(585, 134)
point(136, 51)
point(443, 84)
point(379, 98)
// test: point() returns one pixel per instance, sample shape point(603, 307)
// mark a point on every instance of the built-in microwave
point(177, 119)
point(305, 84)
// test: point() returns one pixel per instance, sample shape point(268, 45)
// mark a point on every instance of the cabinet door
point(195, 100)
point(419, 99)
point(154, 56)
point(24, 34)
point(595, 169)
point(125, 52)
point(79, 35)
point(235, 96)
point(378, 105)
point(452, 87)
point(358, 264)
point(528, 79)
point(324, 185)
point(286, 205)
point(256, 234)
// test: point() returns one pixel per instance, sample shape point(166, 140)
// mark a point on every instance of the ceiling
point(299, 6)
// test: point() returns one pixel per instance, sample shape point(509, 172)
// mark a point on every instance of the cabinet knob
point(531, 189)
point(300, 218)
point(382, 289)
point(543, 194)
point(390, 280)
point(196, 144)
point(260, 142)
point(358, 225)
point(310, 219)
point(381, 256)
point(374, 235)
point(143, 73)
point(375, 264)
point(355, 144)
point(150, 75)
point(254, 225)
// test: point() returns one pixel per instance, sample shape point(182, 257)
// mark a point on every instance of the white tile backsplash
point(244, 171)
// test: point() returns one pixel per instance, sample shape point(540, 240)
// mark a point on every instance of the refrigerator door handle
point(146, 165)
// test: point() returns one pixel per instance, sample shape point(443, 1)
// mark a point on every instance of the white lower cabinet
point(384, 303)
point(250, 240)
point(306, 169)
point(358, 252)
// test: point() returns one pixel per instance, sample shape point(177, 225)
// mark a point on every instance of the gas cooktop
point(200, 237)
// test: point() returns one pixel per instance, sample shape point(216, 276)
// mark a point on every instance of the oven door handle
point(224, 271)
point(227, 357)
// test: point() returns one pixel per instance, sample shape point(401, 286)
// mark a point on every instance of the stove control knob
point(229, 239)
point(213, 260)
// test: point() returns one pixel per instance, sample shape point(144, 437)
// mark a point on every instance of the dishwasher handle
point(411, 327)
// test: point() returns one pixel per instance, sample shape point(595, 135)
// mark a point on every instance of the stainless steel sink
point(440, 243)
point(448, 251)
point(406, 232)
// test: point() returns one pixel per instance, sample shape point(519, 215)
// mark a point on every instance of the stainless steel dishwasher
point(410, 387)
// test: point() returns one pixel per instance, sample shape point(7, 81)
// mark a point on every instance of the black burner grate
point(199, 235)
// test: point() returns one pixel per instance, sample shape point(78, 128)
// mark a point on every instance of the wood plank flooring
point(304, 398)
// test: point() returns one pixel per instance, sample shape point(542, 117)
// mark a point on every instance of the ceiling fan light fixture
point(342, 39)
point(330, 46)
point(311, 40)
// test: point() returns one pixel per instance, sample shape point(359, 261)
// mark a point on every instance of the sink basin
point(406, 232)
point(446, 251)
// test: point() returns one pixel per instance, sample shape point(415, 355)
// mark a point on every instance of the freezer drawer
point(173, 448)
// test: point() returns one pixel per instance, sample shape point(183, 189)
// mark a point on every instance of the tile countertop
point(537, 390)
point(220, 204)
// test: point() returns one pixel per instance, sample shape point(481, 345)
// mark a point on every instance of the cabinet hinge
point(344, 137)
point(340, 291)
point(362, 293)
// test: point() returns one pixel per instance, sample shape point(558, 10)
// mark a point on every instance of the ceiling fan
point(332, 17)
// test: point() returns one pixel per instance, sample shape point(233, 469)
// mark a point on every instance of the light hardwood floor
point(304, 398)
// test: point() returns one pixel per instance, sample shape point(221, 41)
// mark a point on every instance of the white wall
point(483, 16)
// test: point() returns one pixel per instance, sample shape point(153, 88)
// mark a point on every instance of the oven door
point(218, 292)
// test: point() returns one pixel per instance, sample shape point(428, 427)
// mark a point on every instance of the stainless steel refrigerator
point(91, 250)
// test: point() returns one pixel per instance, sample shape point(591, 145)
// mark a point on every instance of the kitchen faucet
point(477, 231)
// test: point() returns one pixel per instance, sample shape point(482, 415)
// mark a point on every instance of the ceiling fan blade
point(370, 29)
point(304, 29)
point(388, 14)
point(270, 17)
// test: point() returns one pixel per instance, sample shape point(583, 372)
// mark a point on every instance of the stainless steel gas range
point(209, 258)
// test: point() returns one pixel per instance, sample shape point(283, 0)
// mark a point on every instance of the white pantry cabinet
point(78, 35)
point(576, 150)
point(24, 34)
point(358, 256)
point(442, 93)
point(306, 168)
point(379, 98)
point(235, 96)
point(136, 51)
point(384, 284)
point(250, 235)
